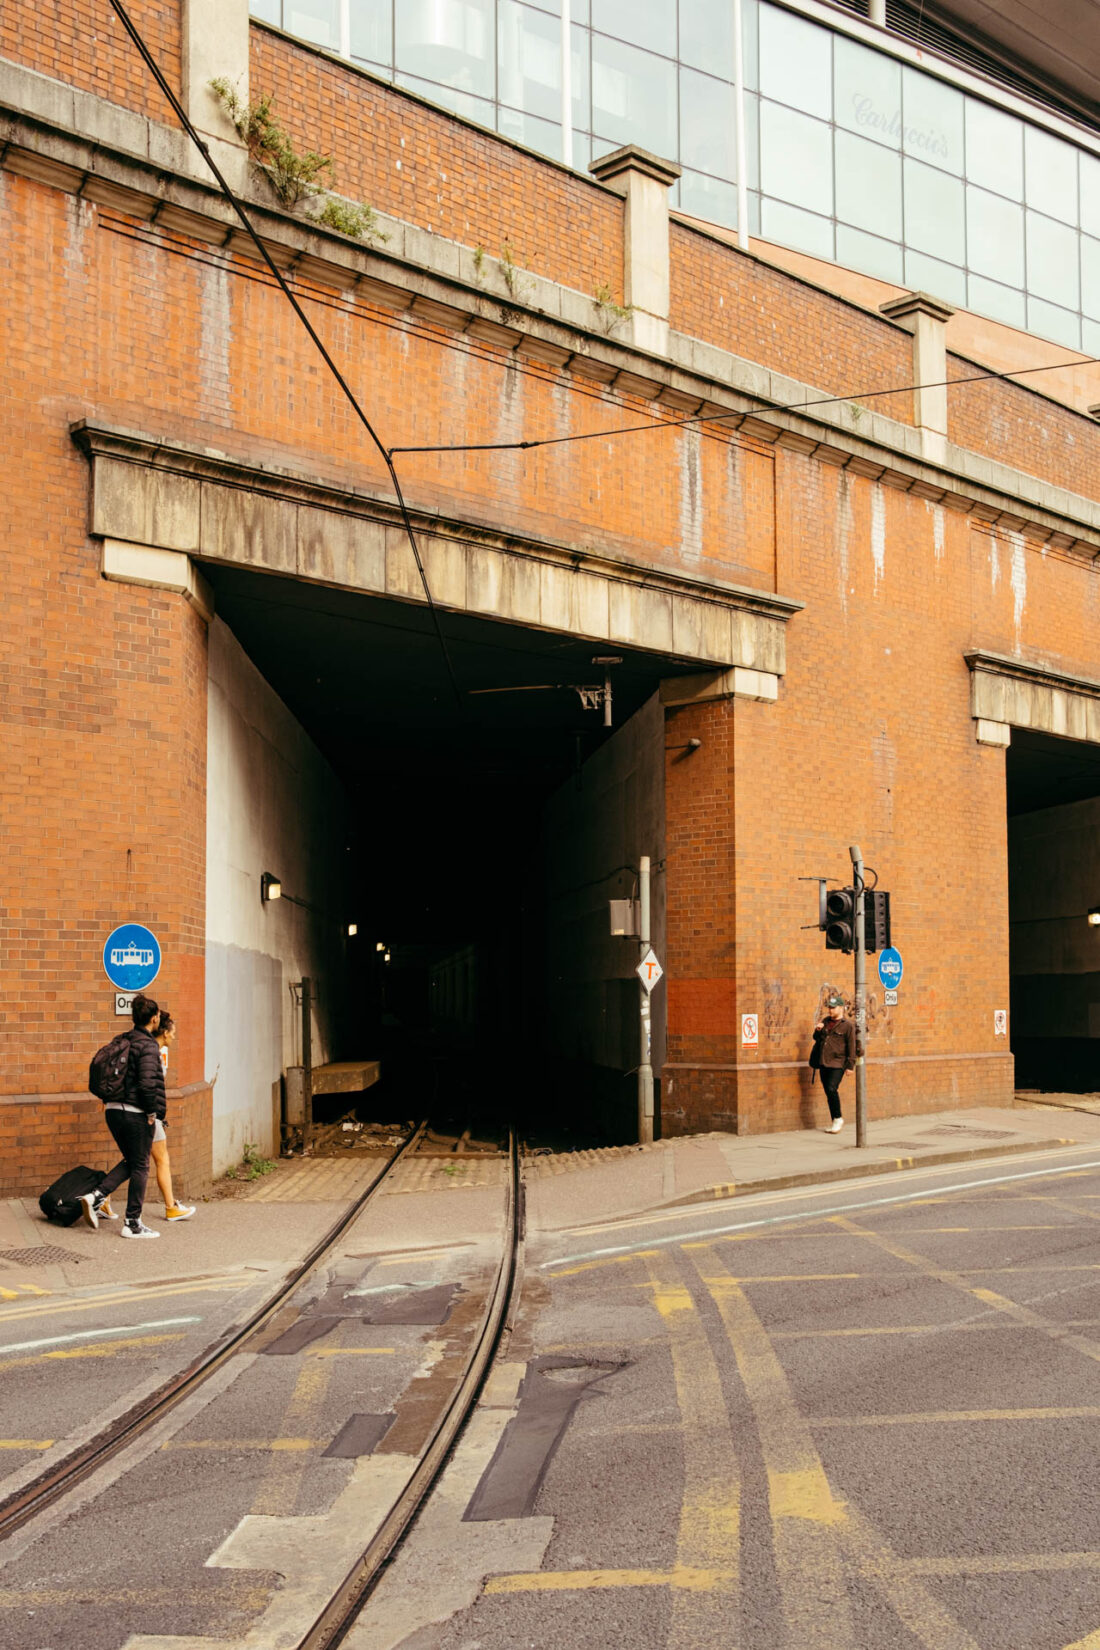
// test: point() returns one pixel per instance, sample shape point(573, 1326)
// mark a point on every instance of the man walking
point(132, 1120)
point(835, 1037)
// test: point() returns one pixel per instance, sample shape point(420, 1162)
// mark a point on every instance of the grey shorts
point(158, 1131)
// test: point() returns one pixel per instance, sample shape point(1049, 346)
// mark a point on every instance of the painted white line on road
point(96, 1334)
point(915, 1195)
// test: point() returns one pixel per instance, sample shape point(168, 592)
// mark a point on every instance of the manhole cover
point(48, 1255)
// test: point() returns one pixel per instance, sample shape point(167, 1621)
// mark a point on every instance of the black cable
point(761, 406)
point(203, 148)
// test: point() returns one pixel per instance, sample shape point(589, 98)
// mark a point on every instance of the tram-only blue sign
point(131, 957)
point(890, 968)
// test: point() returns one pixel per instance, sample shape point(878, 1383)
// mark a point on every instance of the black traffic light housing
point(876, 919)
point(840, 919)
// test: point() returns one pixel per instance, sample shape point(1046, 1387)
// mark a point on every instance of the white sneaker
point(137, 1229)
point(835, 1126)
point(89, 1208)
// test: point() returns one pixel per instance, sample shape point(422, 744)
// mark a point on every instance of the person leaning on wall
point(834, 1053)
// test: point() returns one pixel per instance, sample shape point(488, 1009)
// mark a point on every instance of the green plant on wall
point(512, 275)
point(350, 218)
point(608, 312)
point(292, 176)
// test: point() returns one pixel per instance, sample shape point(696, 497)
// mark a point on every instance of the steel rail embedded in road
point(42, 1492)
point(345, 1604)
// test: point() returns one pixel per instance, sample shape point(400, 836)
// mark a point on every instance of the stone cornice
point(1035, 675)
point(289, 486)
point(122, 161)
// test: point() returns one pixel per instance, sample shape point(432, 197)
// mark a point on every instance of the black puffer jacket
point(145, 1075)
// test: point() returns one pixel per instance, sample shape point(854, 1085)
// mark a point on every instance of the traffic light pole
point(645, 1007)
point(860, 958)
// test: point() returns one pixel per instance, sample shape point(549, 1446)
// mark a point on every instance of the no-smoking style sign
point(750, 1031)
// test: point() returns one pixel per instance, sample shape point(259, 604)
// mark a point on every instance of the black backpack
point(107, 1072)
point(60, 1202)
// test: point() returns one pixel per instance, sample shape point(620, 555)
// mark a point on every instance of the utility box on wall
point(624, 916)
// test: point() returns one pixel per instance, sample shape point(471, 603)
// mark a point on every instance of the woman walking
point(131, 1121)
point(166, 1036)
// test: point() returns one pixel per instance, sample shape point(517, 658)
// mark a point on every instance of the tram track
point(501, 1293)
point(51, 1486)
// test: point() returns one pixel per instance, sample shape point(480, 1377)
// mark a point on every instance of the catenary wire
point(204, 149)
point(741, 413)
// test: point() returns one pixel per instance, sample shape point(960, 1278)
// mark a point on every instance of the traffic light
point(876, 919)
point(840, 924)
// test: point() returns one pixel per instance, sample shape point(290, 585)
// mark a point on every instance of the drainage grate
point(48, 1255)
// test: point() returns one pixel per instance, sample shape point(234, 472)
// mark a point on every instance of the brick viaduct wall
point(102, 687)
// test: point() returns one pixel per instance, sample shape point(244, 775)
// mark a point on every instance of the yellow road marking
point(1091, 1642)
point(681, 1576)
point(349, 1352)
point(290, 1444)
point(708, 1540)
point(1084, 1413)
point(610, 1260)
point(277, 1494)
point(22, 1289)
point(119, 1297)
point(27, 1443)
point(997, 1564)
point(94, 1349)
point(810, 1528)
point(999, 1303)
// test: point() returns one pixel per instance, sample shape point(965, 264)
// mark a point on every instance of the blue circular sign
point(890, 968)
point(131, 957)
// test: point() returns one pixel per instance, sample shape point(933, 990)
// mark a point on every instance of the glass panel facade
point(851, 155)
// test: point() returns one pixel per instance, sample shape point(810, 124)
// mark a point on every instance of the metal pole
point(860, 958)
point(307, 1061)
point(645, 1067)
point(566, 83)
point(876, 12)
point(739, 119)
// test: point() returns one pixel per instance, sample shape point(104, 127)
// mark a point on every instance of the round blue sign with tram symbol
point(131, 957)
point(890, 968)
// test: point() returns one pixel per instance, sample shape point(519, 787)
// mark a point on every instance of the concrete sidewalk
point(586, 1188)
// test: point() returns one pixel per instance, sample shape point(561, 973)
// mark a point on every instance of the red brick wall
point(83, 43)
point(102, 689)
point(42, 1135)
point(422, 165)
point(1007, 421)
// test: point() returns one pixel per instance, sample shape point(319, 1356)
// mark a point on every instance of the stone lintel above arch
point(166, 495)
point(1008, 692)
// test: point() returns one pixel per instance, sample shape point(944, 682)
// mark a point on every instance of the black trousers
point(830, 1082)
point(133, 1136)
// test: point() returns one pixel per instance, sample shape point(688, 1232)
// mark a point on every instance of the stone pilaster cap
point(630, 158)
point(916, 303)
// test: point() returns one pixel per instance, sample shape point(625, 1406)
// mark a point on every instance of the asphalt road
point(862, 1418)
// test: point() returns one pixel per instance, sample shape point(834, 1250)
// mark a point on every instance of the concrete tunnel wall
point(1054, 877)
point(590, 834)
point(273, 804)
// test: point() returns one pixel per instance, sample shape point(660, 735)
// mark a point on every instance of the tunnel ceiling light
point(353, 929)
point(381, 946)
point(1094, 916)
point(270, 887)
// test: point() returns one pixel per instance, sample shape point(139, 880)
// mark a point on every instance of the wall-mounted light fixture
point(691, 745)
point(380, 946)
point(353, 929)
point(270, 887)
point(1094, 916)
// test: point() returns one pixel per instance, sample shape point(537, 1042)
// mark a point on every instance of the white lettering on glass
point(928, 139)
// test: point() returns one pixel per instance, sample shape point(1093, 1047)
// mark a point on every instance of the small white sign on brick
point(750, 1031)
point(1000, 1022)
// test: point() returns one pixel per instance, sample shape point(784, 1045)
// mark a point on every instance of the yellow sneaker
point(104, 1210)
point(180, 1211)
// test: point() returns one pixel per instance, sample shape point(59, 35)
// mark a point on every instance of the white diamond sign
point(649, 970)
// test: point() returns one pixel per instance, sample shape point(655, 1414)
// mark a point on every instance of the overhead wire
point(204, 149)
point(390, 454)
point(741, 413)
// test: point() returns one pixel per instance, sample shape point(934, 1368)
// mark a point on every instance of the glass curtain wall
point(851, 155)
